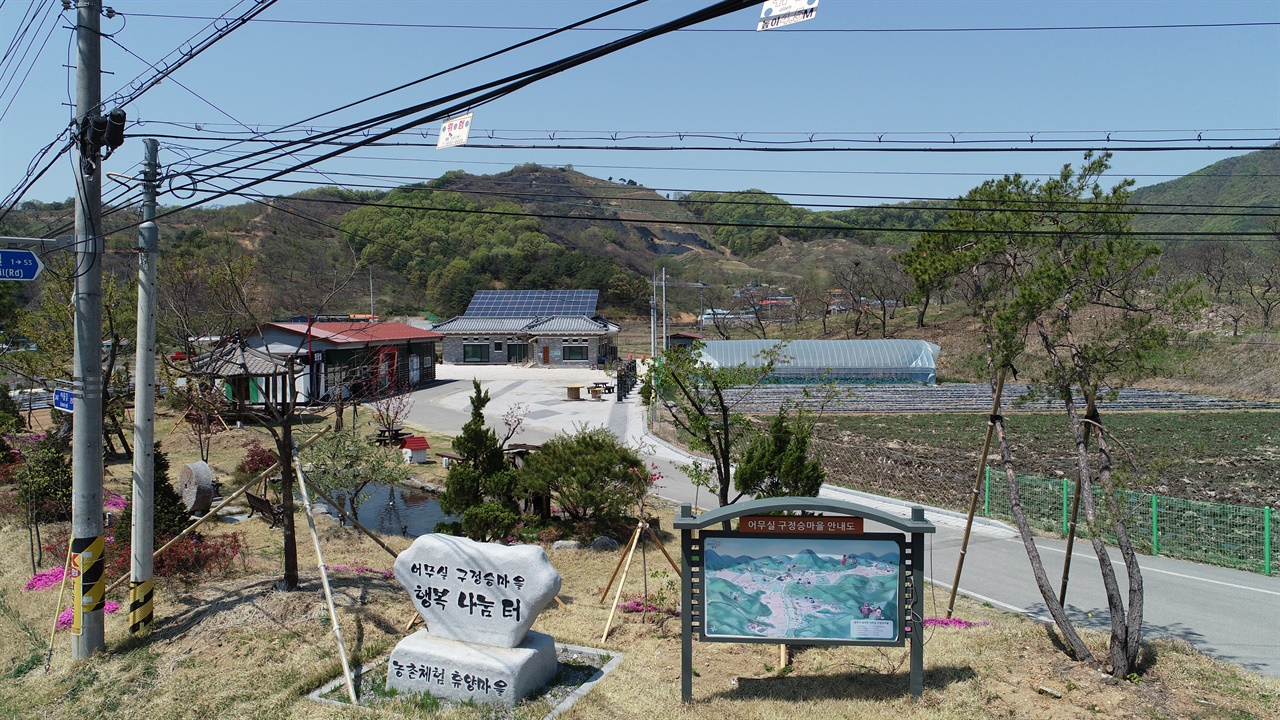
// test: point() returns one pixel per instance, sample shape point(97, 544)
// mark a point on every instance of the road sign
point(19, 265)
point(64, 400)
point(780, 13)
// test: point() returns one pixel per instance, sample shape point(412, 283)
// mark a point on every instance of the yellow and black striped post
point(140, 611)
point(86, 564)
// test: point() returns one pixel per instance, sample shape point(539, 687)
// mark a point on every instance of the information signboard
point(770, 588)
point(454, 132)
point(780, 13)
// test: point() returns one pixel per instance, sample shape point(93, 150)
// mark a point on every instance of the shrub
point(44, 480)
point(488, 521)
point(257, 459)
point(591, 475)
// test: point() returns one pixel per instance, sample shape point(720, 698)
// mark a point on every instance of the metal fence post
point(1066, 502)
point(986, 494)
point(1266, 539)
point(1155, 525)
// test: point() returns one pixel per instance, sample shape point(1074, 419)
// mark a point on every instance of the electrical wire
point(442, 26)
point(1136, 208)
point(462, 65)
point(712, 222)
point(489, 92)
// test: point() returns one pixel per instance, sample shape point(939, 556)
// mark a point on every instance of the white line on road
point(1170, 572)
point(993, 601)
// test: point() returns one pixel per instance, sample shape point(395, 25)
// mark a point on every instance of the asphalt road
point(1227, 614)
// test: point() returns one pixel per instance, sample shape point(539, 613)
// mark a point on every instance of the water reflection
point(395, 510)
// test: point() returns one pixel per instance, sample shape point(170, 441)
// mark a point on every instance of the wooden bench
point(265, 508)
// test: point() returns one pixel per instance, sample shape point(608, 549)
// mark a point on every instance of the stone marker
point(479, 601)
point(477, 592)
point(566, 545)
point(463, 671)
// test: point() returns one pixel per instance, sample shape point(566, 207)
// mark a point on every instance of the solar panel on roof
point(532, 303)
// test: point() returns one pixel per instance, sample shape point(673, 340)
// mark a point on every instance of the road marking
point(993, 601)
point(1117, 563)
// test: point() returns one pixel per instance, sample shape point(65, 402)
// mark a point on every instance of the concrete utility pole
point(144, 403)
point(653, 315)
point(664, 310)
point(86, 437)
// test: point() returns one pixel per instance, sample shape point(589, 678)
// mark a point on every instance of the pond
point(396, 510)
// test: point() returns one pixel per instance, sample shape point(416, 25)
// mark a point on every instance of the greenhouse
point(846, 361)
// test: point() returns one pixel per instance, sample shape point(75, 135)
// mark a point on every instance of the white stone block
point(459, 671)
point(477, 592)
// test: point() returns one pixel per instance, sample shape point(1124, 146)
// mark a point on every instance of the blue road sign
point(64, 400)
point(19, 265)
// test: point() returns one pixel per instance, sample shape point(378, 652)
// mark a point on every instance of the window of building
point(497, 346)
point(575, 352)
point(475, 352)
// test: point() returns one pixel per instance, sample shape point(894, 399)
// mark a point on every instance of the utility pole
point(653, 315)
point(664, 310)
point(144, 403)
point(86, 437)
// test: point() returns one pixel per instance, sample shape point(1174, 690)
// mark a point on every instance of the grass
point(236, 647)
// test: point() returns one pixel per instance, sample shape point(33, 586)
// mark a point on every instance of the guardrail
point(1234, 536)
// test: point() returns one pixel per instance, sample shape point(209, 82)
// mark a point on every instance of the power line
point(726, 223)
point(805, 30)
point(1080, 208)
point(498, 89)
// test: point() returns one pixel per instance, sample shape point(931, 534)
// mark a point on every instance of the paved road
point(1228, 614)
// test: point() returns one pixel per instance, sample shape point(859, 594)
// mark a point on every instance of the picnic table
point(391, 435)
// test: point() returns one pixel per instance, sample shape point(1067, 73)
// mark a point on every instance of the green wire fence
point(1215, 533)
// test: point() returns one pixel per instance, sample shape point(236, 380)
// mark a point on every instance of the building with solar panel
point(846, 361)
point(550, 328)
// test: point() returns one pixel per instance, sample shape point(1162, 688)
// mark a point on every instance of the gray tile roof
point(570, 325)
point(464, 324)
point(554, 325)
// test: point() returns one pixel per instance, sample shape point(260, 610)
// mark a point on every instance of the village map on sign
point(789, 587)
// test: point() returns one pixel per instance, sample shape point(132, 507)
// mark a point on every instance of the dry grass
point(236, 647)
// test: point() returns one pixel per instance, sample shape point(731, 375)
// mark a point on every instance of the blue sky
point(848, 73)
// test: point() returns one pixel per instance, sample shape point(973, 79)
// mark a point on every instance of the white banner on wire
point(454, 131)
point(778, 13)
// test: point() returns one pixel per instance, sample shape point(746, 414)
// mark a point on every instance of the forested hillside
point(1237, 184)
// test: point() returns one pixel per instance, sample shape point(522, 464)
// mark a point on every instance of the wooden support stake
point(354, 522)
point(62, 589)
point(674, 566)
point(324, 579)
point(621, 558)
point(214, 512)
point(635, 540)
point(977, 486)
point(784, 656)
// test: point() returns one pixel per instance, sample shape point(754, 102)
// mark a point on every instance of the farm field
point(1228, 457)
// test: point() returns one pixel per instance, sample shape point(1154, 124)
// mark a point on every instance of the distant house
point(546, 327)
point(682, 339)
point(351, 357)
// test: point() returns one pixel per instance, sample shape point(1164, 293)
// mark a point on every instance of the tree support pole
point(635, 540)
point(214, 512)
point(324, 579)
point(57, 611)
point(977, 488)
